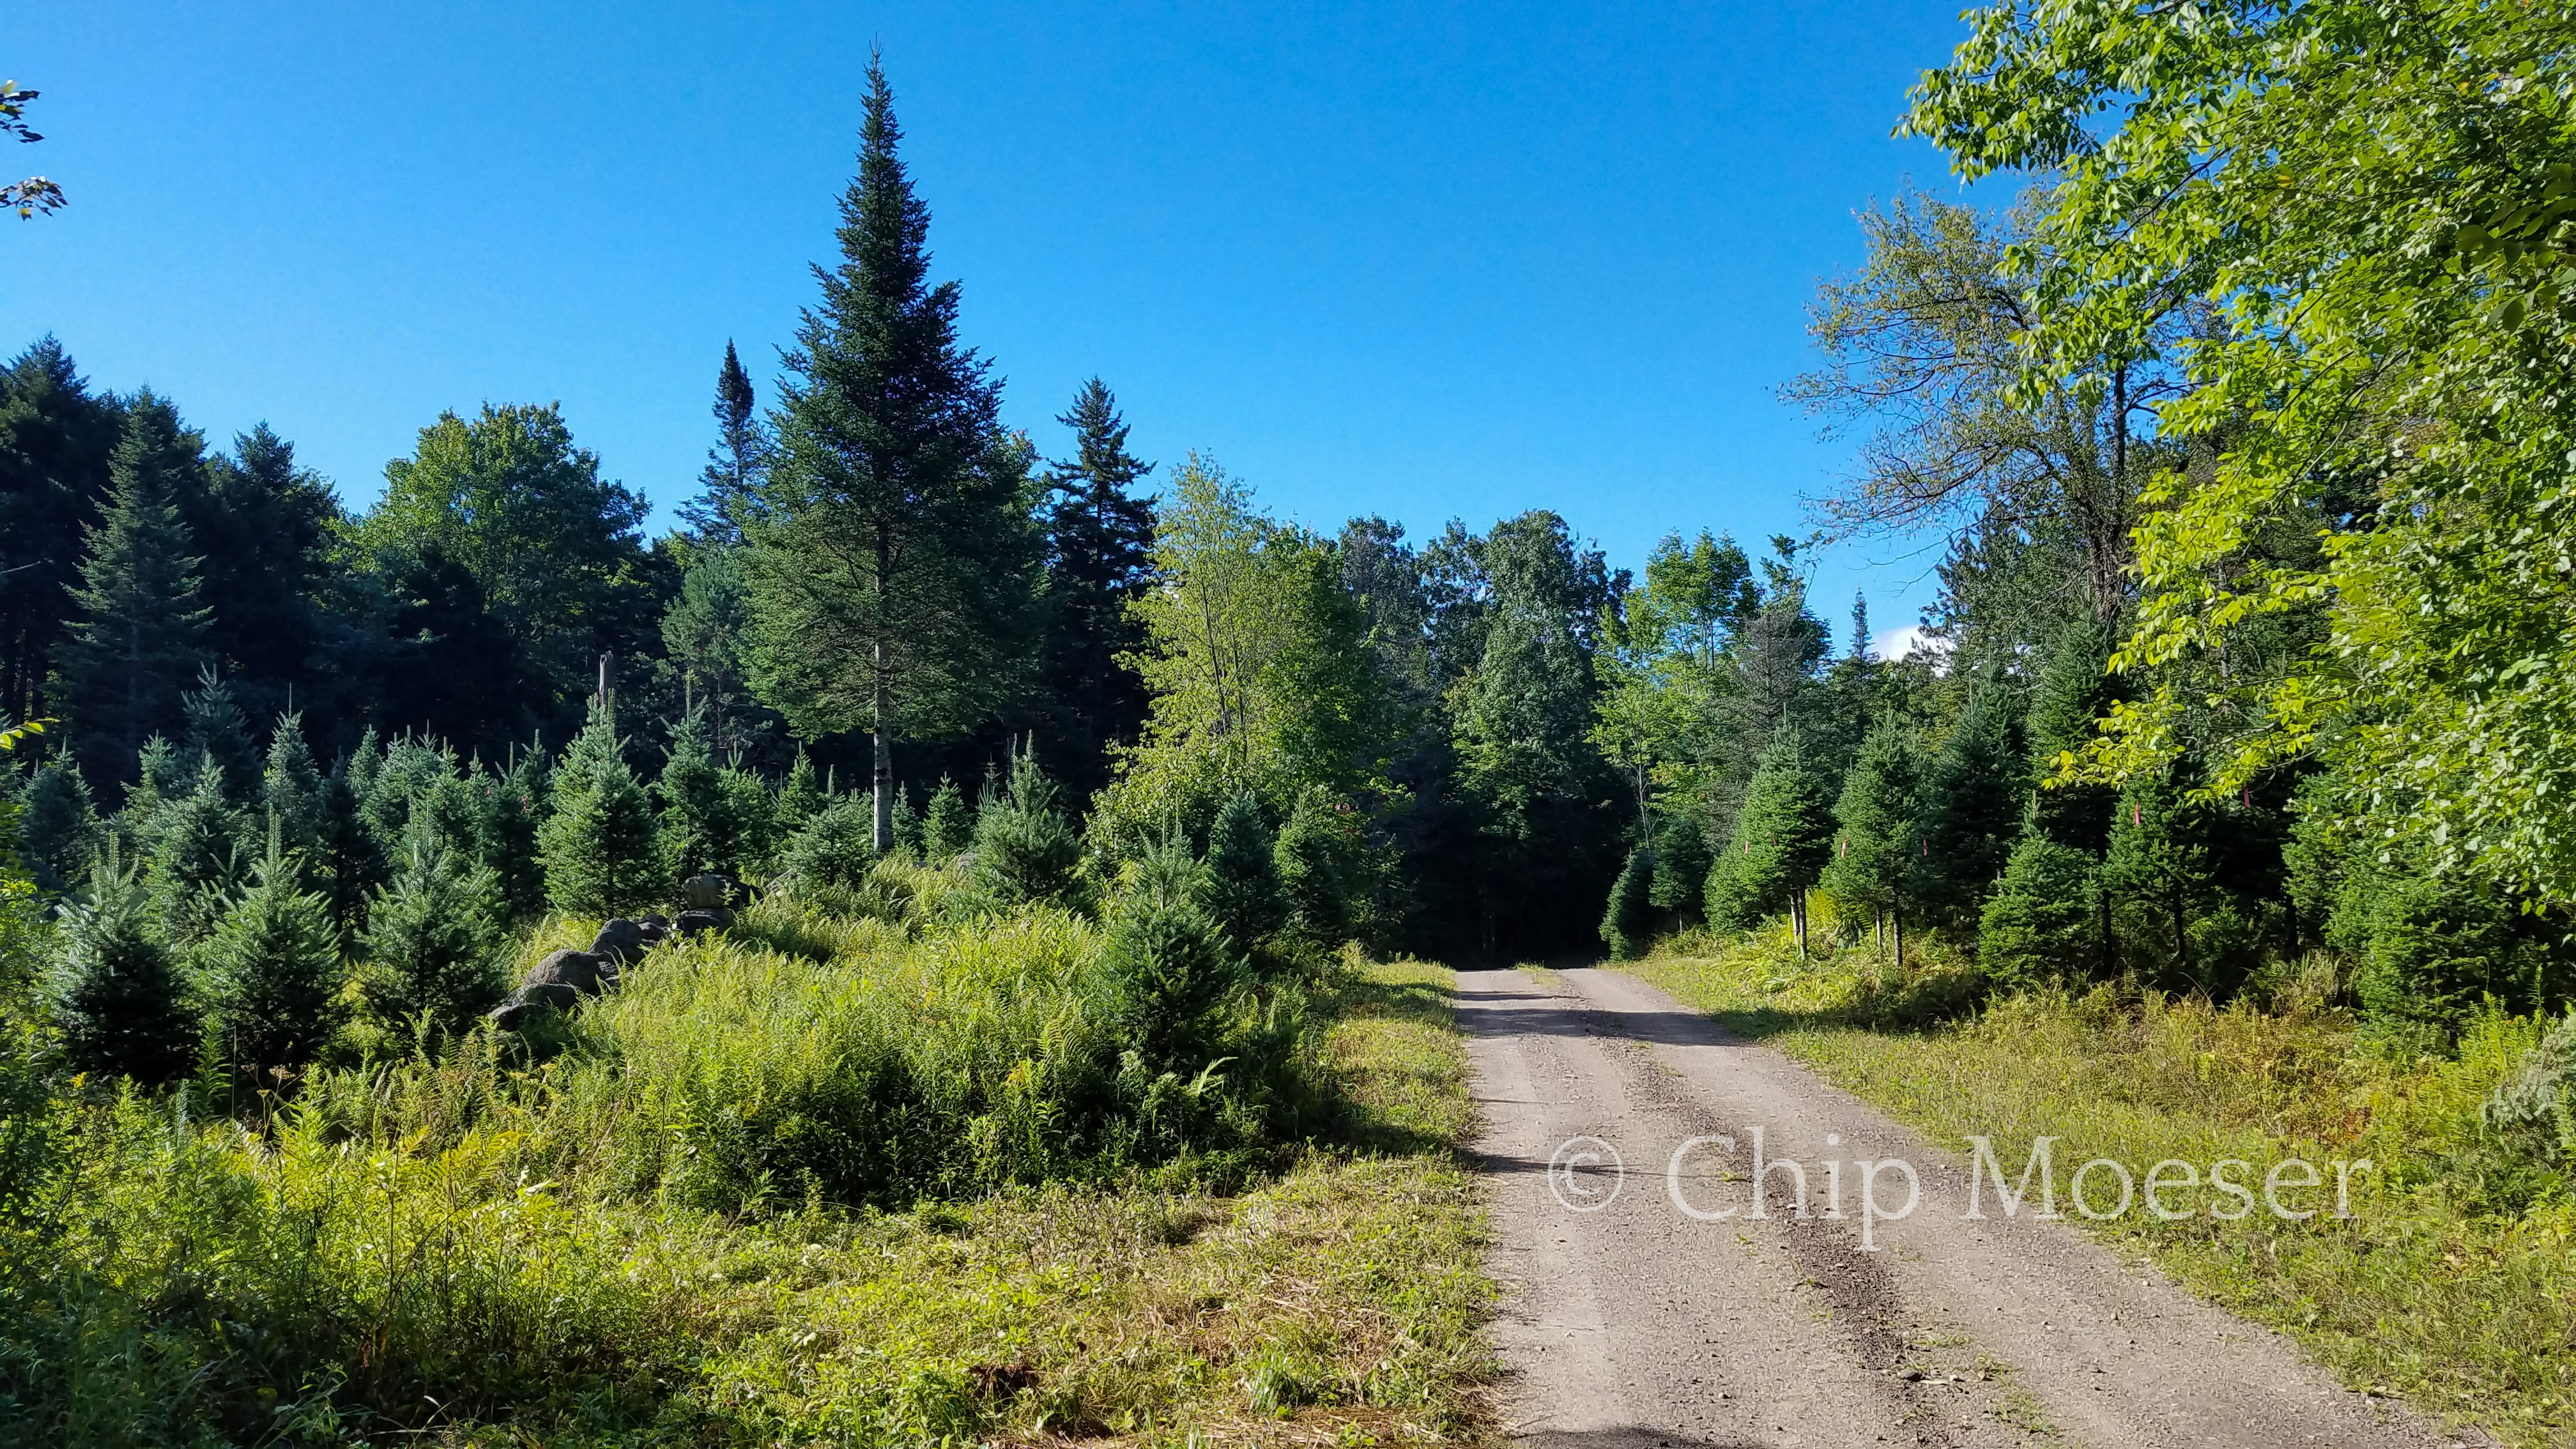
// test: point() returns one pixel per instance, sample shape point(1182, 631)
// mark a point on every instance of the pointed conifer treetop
point(893, 558)
point(1102, 534)
point(730, 483)
point(140, 629)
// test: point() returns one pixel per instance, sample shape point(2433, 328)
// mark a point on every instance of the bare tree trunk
point(1798, 922)
point(882, 705)
point(1896, 923)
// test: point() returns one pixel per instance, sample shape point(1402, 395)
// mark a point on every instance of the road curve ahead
point(1648, 1305)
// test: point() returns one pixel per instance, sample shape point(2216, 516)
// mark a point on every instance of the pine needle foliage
point(120, 999)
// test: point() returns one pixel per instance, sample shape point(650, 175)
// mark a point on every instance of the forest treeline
point(2142, 740)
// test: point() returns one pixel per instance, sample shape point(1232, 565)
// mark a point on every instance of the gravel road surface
point(1634, 1319)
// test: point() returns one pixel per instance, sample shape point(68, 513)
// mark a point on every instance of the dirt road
point(1638, 1318)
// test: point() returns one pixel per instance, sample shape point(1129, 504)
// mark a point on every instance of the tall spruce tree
point(56, 438)
point(1100, 537)
point(1972, 802)
point(894, 558)
point(1783, 838)
point(729, 488)
point(1874, 846)
point(263, 528)
point(139, 630)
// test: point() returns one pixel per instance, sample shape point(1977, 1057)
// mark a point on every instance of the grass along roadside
point(1332, 1298)
point(2453, 1286)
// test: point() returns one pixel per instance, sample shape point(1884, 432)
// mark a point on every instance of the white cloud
point(1897, 643)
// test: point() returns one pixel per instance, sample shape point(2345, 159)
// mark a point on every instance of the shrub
point(1025, 853)
point(2039, 926)
point(835, 848)
point(599, 844)
point(1239, 878)
point(119, 999)
point(434, 945)
point(272, 973)
point(1628, 926)
point(1313, 868)
point(949, 827)
point(2435, 950)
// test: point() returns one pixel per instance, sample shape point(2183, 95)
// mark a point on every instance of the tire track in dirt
point(1633, 1322)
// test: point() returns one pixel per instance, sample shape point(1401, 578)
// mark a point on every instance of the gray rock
point(712, 918)
point(705, 892)
point(584, 971)
point(621, 941)
point(532, 998)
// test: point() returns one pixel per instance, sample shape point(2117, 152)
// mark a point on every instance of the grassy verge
point(320, 1283)
point(2454, 1284)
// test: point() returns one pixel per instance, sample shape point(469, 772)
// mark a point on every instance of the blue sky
point(1417, 261)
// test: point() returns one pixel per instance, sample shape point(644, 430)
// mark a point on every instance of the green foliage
point(1970, 808)
point(272, 975)
point(800, 795)
point(1239, 877)
point(1314, 855)
point(698, 823)
point(2436, 952)
point(510, 812)
point(2040, 925)
point(1628, 926)
point(140, 625)
point(1025, 853)
point(2372, 204)
point(199, 842)
point(505, 496)
point(1167, 970)
point(599, 844)
point(708, 633)
point(218, 732)
point(949, 827)
point(835, 847)
point(119, 998)
point(892, 557)
point(1875, 848)
point(1681, 857)
point(434, 945)
point(58, 831)
point(290, 789)
point(1783, 837)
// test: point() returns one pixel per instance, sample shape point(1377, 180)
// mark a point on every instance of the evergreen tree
point(56, 437)
point(2163, 876)
point(273, 974)
point(1681, 869)
point(1166, 970)
point(894, 558)
point(217, 732)
point(1024, 850)
point(139, 626)
point(446, 813)
point(434, 944)
point(1972, 800)
point(2074, 691)
point(264, 529)
point(598, 844)
point(1874, 849)
point(730, 485)
point(2039, 925)
point(1628, 926)
point(1314, 879)
point(197, 859)
point(505, 829)
point(120, 1002)
point(800, 795)
point(291, 790)
point(949, 827)
point(907, 823)
point(1783, 838)
point(835, 847)
point(751, 813)
point(708, 633)
point(58, 828)
point(1239, 880)
point(352, 858)
point(1100, 537)
point(697, 829)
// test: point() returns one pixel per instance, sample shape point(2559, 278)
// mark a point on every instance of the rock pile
point(562, 978)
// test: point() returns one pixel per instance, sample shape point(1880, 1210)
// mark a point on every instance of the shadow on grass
point(1873, 997)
